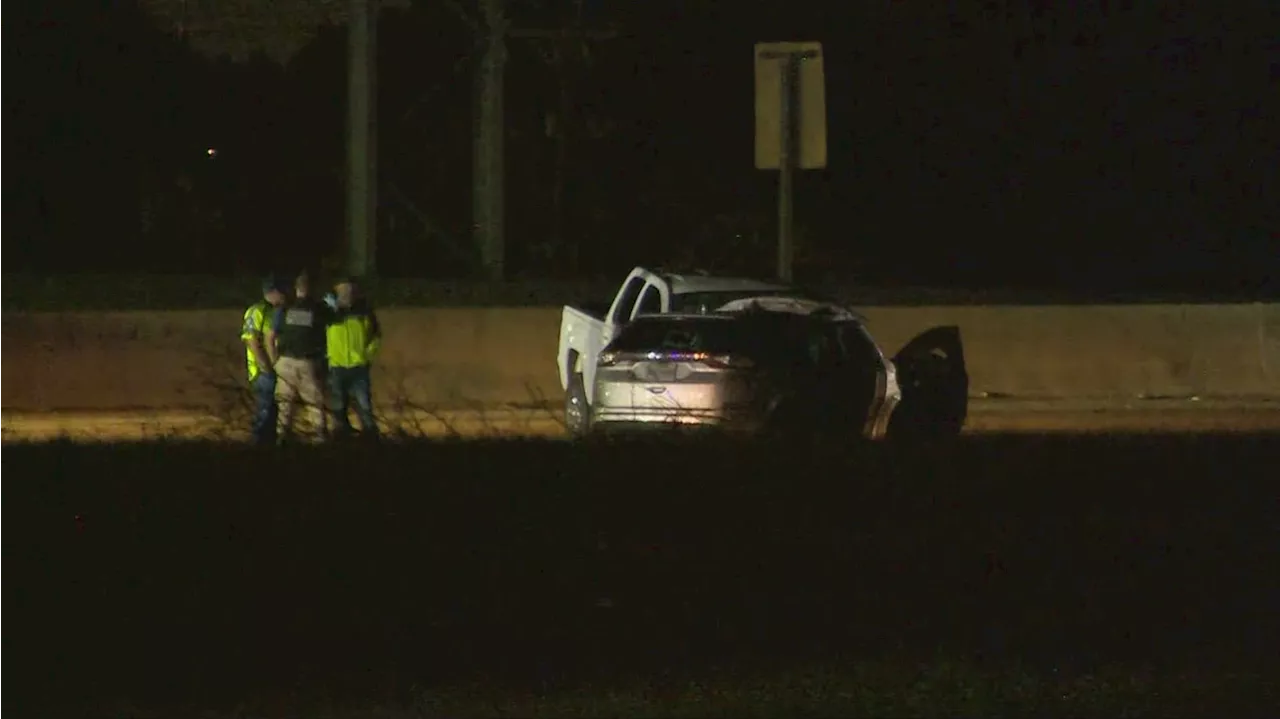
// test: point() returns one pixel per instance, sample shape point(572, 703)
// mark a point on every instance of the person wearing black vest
point(296, 343)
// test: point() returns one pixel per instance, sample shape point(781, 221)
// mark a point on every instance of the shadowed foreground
point(1062, 576)
point(985, 416)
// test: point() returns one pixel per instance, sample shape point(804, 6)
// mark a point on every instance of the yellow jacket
point(257, 319)
point(353, 337)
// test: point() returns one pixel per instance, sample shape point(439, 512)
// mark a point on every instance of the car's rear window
point(778, 337)
point(689, 335)
point(704, 302)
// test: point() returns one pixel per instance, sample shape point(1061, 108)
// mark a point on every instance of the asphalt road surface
point(985, 416)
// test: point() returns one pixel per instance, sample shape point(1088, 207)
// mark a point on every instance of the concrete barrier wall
point(1106, 351)
point(469, 356)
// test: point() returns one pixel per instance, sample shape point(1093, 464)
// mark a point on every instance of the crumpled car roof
point(792, 305)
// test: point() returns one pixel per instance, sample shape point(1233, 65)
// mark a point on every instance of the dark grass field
point(998, 575)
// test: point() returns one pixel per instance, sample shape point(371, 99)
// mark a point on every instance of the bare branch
point(241, 28)
point(456, 8)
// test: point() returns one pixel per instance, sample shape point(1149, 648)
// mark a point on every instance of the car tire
point(577, 412)
point(785, 422)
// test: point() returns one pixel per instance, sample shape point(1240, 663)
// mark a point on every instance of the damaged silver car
point(778, 365)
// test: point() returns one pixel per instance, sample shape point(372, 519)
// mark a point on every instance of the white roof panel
point(685, 284)
point(793, 305)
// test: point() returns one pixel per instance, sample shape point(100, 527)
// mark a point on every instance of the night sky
point(1085, 146)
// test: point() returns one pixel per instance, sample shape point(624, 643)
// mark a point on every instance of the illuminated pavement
point(125, 426)
point(985, 416)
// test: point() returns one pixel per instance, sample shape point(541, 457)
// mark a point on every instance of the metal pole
point(362, 155)
point(786, 164)
point(489, 167)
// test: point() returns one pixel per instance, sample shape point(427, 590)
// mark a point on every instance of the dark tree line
point(1083, 145)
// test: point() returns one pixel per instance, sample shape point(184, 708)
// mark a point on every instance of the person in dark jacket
point(353, 340)
point(296, 343)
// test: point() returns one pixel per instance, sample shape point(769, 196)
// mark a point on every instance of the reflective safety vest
point(299, 327)
point(255, 323)
point(353, 337)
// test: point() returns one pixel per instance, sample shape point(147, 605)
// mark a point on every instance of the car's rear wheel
point(785, 422)
point(577, 413)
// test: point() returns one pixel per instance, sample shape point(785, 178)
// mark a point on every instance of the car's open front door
point(935, 386)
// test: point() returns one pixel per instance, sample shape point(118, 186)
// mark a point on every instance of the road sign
point(791, 124)
point(807, 104)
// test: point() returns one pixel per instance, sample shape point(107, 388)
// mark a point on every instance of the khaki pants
point(299, 379)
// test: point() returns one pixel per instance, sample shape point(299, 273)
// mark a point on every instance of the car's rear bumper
point(649, 419)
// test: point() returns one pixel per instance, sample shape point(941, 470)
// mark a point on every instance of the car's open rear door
point(935, 385)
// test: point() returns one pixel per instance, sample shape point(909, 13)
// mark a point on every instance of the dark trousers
point(264, 408)
point(352, 385)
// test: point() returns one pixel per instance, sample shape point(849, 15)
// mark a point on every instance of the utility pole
point(362, 147)
point(488, 210)
point(567, 48)
point(488, 166)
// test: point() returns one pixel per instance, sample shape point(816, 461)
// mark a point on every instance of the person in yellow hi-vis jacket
point(262, 377)
point(353, 340)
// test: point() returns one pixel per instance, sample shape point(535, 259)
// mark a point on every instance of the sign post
point(791, 126)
